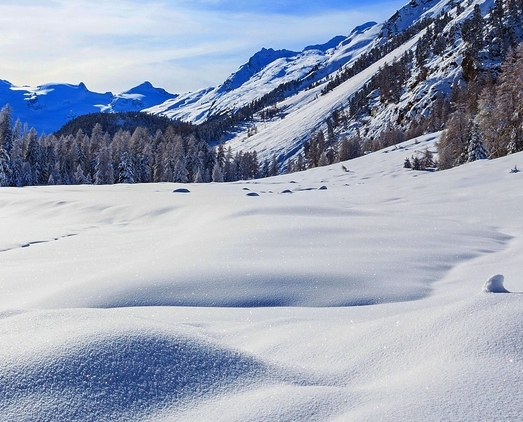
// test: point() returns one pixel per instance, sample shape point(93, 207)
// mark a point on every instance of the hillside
point(394, 76)
point(322, 295)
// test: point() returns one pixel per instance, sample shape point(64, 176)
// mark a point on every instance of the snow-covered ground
point(328, 295)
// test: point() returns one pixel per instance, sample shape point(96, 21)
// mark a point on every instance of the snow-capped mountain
point(382, 77)
point(266, 71)
point(48, 107)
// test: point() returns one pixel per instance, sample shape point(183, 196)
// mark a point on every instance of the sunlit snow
point(358, 301)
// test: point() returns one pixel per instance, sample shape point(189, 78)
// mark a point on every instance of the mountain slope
point(265, 72)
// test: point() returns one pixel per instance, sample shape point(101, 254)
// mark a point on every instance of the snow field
point(362, 301)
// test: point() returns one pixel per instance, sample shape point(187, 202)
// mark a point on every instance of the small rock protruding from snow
point(495, 285)
point(181, 190)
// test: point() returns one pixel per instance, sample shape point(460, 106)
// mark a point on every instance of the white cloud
point(116, 45)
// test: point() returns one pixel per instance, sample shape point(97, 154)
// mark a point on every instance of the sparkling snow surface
point(359, 302)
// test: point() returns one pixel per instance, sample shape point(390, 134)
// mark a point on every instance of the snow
point(48, 107)
point(131, 302)
point(495, 284)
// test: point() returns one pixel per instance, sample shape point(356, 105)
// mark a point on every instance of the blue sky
point(179, 45)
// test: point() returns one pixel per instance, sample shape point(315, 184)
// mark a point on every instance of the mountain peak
point(257, 62)
point(328, 45)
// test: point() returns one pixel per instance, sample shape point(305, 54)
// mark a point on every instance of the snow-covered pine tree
point(80, 176)
point(198, 177)
point(6, 128)
point(125, 172)
point(476, 149)
point(104, 173)
point(17, 160)
point(33, 156)
point(5, 168)
point(217, 173)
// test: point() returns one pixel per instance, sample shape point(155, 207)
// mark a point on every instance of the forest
point(102, 157)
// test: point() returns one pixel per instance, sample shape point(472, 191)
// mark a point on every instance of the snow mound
point(115, 375)
point(495, 285)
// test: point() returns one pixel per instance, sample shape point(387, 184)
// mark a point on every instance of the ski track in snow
point(261, 314)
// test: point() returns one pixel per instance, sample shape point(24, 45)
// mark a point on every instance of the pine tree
point(6, 128)
point(17, 160)
point(273, 170)
point(125, 172)
point(5, 168)
point(180, 173)
point(198, 177)
point(80, 177)
point(104, 173)
point(33, 156)
point(217, 173)
point(476, 149)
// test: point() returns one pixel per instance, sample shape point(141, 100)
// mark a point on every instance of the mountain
point(48, 107)
point(265, 72)
point(381, 83)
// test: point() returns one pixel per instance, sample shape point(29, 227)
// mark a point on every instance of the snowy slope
point(328, 295)
point(265, 71)
point(309, 110)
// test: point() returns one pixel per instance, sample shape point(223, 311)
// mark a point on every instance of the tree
point(33, 156)
point(6, 128)
point(80, 177)
point(349, 148)
point(453, 144)
point(5, 167)
point(500, 115)
point(180, 173)
point(476, 149)
point(104, 173)
point(217, 173)
point(125, 170)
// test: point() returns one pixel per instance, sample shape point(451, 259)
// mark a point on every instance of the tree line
point(99, 157)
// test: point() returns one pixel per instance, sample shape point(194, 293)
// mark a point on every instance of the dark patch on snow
point(181, 190)
point(286, 191)
point(252, 194)
point(322, 187)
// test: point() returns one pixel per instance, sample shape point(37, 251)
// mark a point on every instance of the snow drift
point(132, 302)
